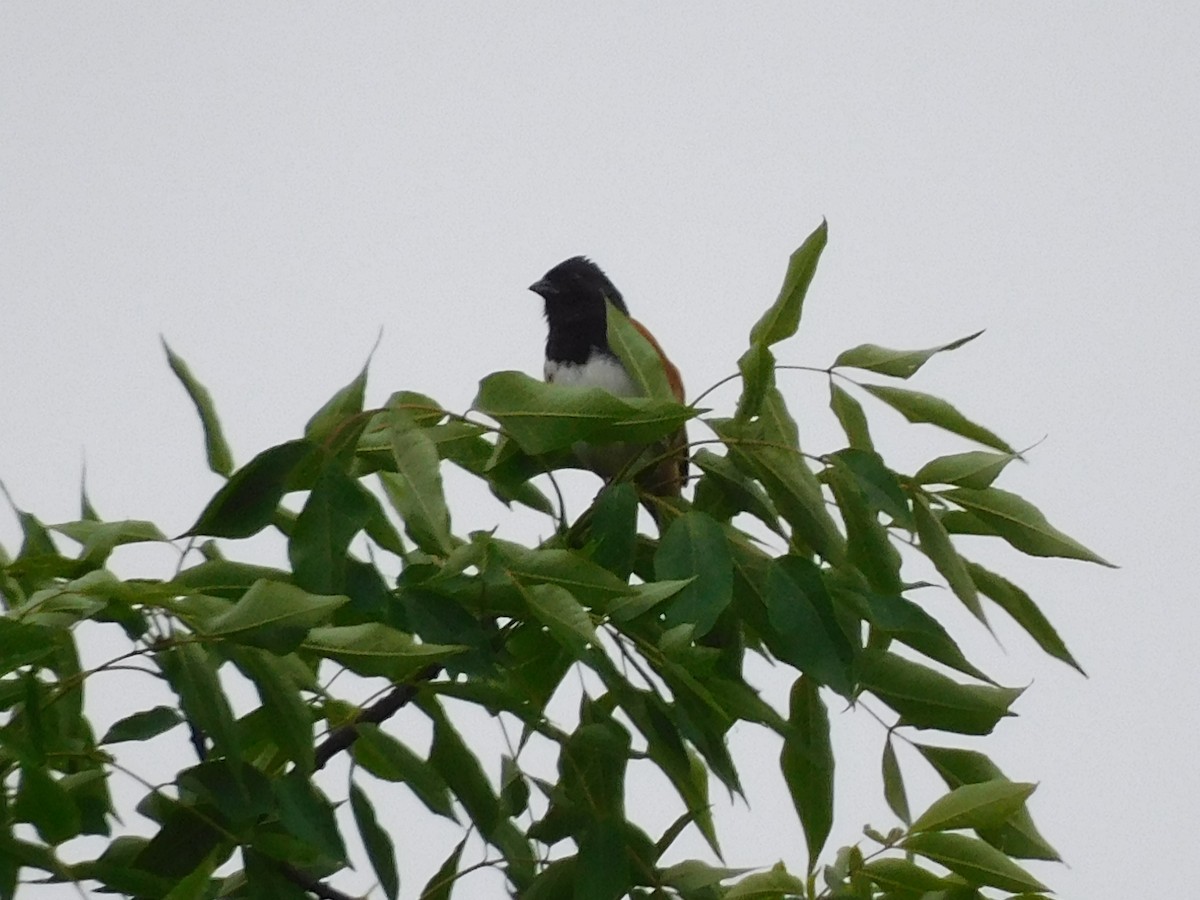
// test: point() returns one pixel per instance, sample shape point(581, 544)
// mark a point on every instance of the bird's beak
point(543, 288)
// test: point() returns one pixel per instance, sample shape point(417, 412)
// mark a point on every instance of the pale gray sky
point(268, 185)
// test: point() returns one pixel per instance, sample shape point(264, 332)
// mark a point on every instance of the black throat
point(575, 331)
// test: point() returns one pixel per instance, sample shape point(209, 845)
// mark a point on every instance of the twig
point(344, 736)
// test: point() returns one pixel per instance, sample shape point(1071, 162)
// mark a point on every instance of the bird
point(578, 353)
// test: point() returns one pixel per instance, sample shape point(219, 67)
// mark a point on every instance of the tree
point(793, 556)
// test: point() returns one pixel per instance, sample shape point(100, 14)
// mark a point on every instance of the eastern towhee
point(577, 353)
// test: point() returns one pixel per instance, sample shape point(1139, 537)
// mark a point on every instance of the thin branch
point(344, 736)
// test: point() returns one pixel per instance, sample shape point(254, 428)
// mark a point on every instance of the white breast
point(599, 371)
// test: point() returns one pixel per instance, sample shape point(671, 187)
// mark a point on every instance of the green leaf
point(307, 813)
point(602, 870)
point(278, 681)
point(694, 549)
point(273, 615)
point(877, 483)
point(644, 598)
point(324, 426)
point(246, 503)
point(789, 482)
point(612, 536)
point(918, 407)
point(695, 875)
point(375, 649)
point(777, 882)
point(415, 488)
point(567, 569)
point(45, 804)
point(387, 758)
point(186, 837)
point(439, 886)
point(902, 875)
point(460, 768)
point(220, 460)
point(337, 509)
point(757, 366)
point(783, 318)
point(803, 629)
point(563, 615)
point(908, 623)
point(192, 674)
point(1019, 836)
point(142, 726)
point(807, 765)
point(927, 699)
point(973, 469)
point(22, 644)
point(893, 783)
point(936, 544)
point(99, 538)
point(637, 355)
point(1020, 523)
point(897, 363)
point(379, 847)
point(850, 416)
point(544, 417)
point(978, 862)
point(1023, 610)
point(742, 491)
point(985, 804)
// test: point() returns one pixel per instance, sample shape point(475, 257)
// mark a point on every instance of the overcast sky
point(268, 185)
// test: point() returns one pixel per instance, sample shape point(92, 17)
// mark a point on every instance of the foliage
point(661, 628)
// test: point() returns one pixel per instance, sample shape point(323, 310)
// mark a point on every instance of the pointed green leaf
point(22, 644)
point(1020, 523)
point(278, 681)
point(274, 615)
point(544, 417)
point(192, 674)
point(897, 363)
point(908, 623)
point(644, 598)
point(936, 544)
point(918, 407)
point(850, 416)
point(745, 494)
point(220, 460)
point(978, 862)
point(803, 627)
point(694, 548)
point(566, 618)
point(568, 569)
point(440, 885)
point(1023, 610)
point(757, 366)
point(460, 768)
point(638, 356)
point(927, 699)
point(415, 488)
point(1019, 836)
point(901, 875)
point(142, 726)
point(44, 803)
point(306, 812)
point(375, 649)
point(330, 419)
point(783, 318)
point(893, 783)
point(774, 884)
point(807, 765)
point(336, 510)
point(694, 875)
point(973, 469)
point(247, 502)
point(380, 852)
point(985, 804)
point(387, 758)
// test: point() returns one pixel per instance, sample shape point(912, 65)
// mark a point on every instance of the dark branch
point(396, 699)
point(306, 882)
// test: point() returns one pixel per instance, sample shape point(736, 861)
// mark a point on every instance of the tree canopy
point(796, 557)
